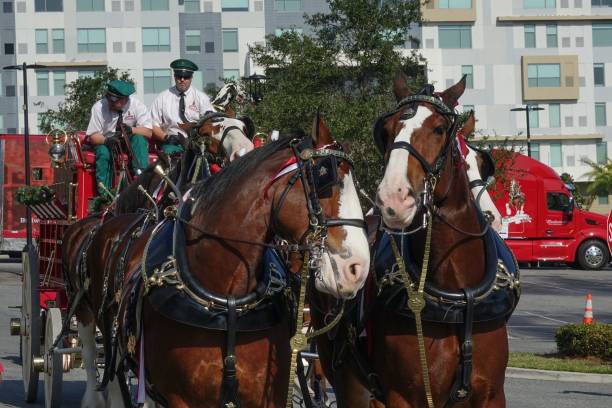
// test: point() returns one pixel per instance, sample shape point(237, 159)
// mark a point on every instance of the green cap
point(183, 65)
point(120, 88)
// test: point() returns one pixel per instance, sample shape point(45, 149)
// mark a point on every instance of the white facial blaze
point(236, 143)
point(353, 256)
point(486, 203)
point(396, 173)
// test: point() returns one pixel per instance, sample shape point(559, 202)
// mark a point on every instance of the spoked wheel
point(53, 361)
point(30, 323)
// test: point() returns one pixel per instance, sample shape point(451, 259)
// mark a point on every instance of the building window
point(59, 83)
point(534, 117)
point(155, 39)
point(287, 5)
point(90, 5)
point(455, 4)
point(535, 151)
point(87, 74)
point(48, 5)
point(280, 31)
point(468, 71)
point(7, 7)
point(544, 75)
point(539, 4)
point(234, 5)
point(556, 160)
point(154, 5)
point(209, 47)
point(91, 39)
point(455, 36)
point(599, 75)
point(9, 48)
point(602, 152)
point(602, 200)
point(197, 82)
point(192, 6)
point(42, 83)
point(233, 74)
point(42, 41)
point(192, 41)
point(9, 90)
point(551, 36)
point(601, 3)
point(57, 35)
point(554, 115)
point(1, 123)
point(600, 114)
point(530, 36)
point(602, 35)
point(230, 40)
point(156, 80)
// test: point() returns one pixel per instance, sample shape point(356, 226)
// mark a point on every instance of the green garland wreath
point(32, 195)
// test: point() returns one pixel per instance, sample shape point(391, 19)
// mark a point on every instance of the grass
point(559, 363)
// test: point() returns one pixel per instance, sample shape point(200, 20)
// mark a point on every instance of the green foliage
point(32, 195)
point(601, 178)
point(344, 70)
point(73, 114)
point(594, 340)
point(583, 201)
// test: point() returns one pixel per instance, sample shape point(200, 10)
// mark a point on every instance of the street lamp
point(255, 86)
point(527, 109)
point(24, 68)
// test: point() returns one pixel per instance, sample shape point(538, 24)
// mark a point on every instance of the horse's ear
point(452, 94)
point(469, 126)
point(320, 133)
point(229, 111)
point(400, 86)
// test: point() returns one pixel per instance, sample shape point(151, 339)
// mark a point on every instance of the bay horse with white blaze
point(219, 310)
point(94, 251)
point(435, 310)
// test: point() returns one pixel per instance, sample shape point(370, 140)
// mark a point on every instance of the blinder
point(325, 175)
point(488, 165)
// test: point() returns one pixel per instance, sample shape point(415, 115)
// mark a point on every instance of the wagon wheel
point(30, 323)
point(53, 361)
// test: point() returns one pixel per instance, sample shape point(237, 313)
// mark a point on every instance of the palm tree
point(601, 178)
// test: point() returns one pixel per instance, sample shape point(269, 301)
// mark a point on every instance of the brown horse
point(218, 246)
point(93, 251)
point(465, 343)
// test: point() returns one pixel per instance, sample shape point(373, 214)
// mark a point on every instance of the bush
point(590, 340)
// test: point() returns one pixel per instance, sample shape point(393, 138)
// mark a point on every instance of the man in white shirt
point(118, 112)
point(180, 104)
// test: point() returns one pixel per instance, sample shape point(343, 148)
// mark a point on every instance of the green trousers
point(104, 164)
point(171, 148)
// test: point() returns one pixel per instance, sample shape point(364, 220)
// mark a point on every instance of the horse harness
point(173, 282)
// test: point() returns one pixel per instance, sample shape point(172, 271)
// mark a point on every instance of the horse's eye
point(439, 130)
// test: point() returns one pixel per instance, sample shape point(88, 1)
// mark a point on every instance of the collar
point(177, 93)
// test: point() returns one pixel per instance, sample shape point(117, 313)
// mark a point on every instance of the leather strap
point(477, 183)
point(229, 386)
point(462, 389)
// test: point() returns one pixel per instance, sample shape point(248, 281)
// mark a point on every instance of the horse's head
point(222, 133)
point(415, 140)
point(323, 211)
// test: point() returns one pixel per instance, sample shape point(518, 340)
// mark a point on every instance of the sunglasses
point(183, 76)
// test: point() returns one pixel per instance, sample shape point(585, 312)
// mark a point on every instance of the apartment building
point(553, 54)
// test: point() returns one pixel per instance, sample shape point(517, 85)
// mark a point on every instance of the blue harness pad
point(500, 302)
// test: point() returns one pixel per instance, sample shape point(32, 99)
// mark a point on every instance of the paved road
point(551, 297)
point(554, 297)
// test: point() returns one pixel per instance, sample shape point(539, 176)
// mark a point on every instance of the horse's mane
point(212, 190)
point(131, 200)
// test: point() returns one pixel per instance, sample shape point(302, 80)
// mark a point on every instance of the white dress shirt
point(135, 114)
point(165, 109)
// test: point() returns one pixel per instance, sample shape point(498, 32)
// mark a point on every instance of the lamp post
point(527, 109)
point(24, 68)
point(255, 86)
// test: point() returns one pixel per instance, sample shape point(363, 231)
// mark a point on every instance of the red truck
point(542, 223)
point(12, 213)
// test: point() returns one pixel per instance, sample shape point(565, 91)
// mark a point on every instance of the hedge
point(588, 340)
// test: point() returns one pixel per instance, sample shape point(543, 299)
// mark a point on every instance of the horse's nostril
point(390, 211)
point(353, 269)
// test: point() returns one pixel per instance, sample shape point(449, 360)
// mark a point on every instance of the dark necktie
point(119, 121)
point(182, 108)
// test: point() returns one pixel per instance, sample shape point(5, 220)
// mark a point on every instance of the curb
point(565, 376)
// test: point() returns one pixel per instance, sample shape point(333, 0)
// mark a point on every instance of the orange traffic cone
point(588, 310)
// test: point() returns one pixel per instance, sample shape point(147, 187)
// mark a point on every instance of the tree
point(583, 201)
point(73, 114)
point(601, 178)
point(343, 70)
